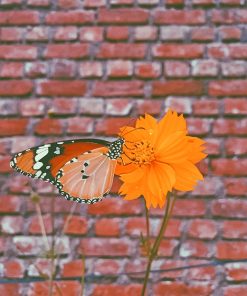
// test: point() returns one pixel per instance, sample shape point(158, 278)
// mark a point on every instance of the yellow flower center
point(142, 153)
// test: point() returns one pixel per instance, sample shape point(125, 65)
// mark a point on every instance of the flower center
point(142, 153)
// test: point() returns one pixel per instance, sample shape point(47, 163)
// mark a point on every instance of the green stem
point(155, 247)
point(148, 229)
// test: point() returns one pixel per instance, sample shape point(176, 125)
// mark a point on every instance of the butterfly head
point(116, 148)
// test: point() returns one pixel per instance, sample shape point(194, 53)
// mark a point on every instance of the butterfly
point(82, 170)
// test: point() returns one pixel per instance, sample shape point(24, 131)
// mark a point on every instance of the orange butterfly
point(82, 170)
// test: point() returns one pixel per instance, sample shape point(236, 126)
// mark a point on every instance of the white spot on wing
point(37, 165)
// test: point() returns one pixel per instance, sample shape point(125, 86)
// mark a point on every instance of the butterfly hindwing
point(88, 177)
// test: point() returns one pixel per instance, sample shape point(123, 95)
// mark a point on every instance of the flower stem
point(154, 250)
point(148, 230)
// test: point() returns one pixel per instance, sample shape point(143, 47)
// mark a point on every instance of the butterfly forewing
point(44, 161)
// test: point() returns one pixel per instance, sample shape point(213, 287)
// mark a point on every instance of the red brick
point(180, 17)
point(10, 204)
point(33, 107)
point(36, 69)
point(63, 69)
point(35, 228)
point(121, 51)
point(233, 69)
point(170, 264)
point(16, 17)
point(120, 290)
point(166, 248)
point(91, 69)
point(111, 126)
point(149, 106)
point(11, 225)
point(66, 33)
point(10, 289)
point(180, 104)
point(11, 34)
point(80, 125)
point(71, 51)
point(118, 88)
point(91, 106)
point(106, 247)
point(241, 15)
point(229, 208)
point(235, 290)
point(207, 273)
point(123, 16)
point(107, 266)
point(230, 33)
point(18, 52)
point(230, 126)
point(236, 146)
point(145, 33)
point(76, 225)
point(173, 33)
point(177, 87)
point(228, 88)
point(94, 3)
point(205, 68)
point(13, 127)
point(91, 34)
point(74, 268)
point(202, 34)
point(11, 70)
point(229, 167)
point(107, 227)
point(48, 126)
point(203, 2)
point(38, 3)
point(176, 69)
point(68, 4)
point(8, 107)
point(218, 51)
point(189, 208)
point(61, 88)
point(121, 2)
point(147, 70)
point(6, 3)
point(231, 250)
point(234, 229)
point(232, 2)
point(178, 51)
point(223, 16)
point(119, 68)
point(15, 87)
point(13, 269)
point(238, 51)
point(195, 249)
point(63, 106)
point(117, 33)
point(69, 288)
point(69, 17)
point(37, 34)
point(235, 186)
point(178, 289)
point(118, 107)
point(174, 2)
point(4, 164)
point(117, 207)
point(236, 272)
point(206, 107)
point(202, 229)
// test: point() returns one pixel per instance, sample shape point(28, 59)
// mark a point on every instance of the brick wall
point(72, 68)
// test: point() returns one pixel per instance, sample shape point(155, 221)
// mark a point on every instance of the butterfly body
point(82, 170)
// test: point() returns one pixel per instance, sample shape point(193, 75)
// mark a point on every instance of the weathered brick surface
point(72, 68)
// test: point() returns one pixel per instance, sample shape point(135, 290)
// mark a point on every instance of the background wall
point(72, 68)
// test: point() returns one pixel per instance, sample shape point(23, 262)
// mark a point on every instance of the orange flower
point(157, 157)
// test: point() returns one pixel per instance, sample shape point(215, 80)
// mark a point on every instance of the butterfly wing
point(44, 161)
point(88, 177)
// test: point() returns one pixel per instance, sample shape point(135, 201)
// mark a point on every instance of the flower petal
point(187, 175)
